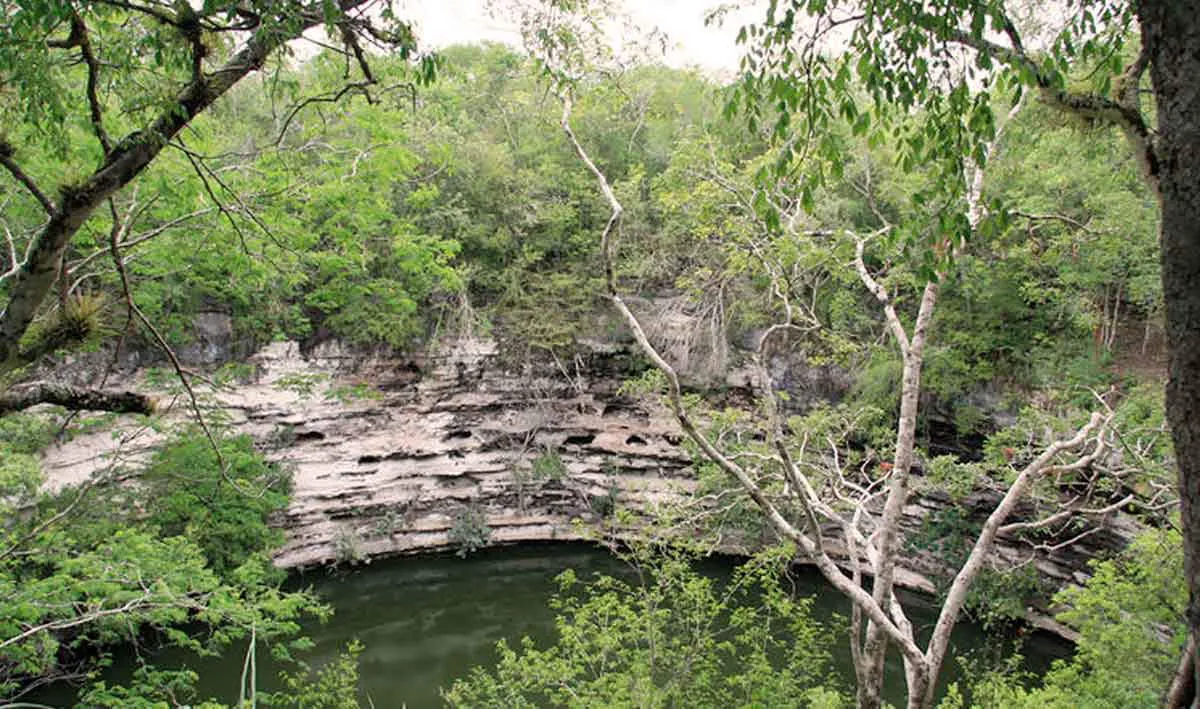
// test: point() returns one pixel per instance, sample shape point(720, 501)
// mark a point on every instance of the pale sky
point(690, 43)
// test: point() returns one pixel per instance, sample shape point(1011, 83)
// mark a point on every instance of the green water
point(426, 620)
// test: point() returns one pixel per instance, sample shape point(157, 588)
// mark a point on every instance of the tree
point(68, 64)
point(177, 544)
point(952, 59)
point(812, 504)
point(878, 618)
point(676, 638)
point(1130, 635)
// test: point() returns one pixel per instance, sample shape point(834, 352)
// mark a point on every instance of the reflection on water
point(427, 620)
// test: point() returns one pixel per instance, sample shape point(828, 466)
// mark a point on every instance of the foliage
point(1130, 619)
point(948, 533)
point(1001, 593)
point(347, 545)
point(1000, 597)
point(458, 210)
point(221, 503)
point(549, 466)
point(948, 474)
point(605, 505)
point(26, 433)
point(332, 686)
point(674, 639)
point(150, 688)
point(469, 531)
point(22, 436)
point(379, 224)
point(183, 553)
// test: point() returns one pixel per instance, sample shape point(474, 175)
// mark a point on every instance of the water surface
point(426, 620)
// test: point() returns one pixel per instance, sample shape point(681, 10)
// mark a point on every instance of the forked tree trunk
point(912, 351)
point(1171, 33)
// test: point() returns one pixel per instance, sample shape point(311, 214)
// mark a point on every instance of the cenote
point(426, 620)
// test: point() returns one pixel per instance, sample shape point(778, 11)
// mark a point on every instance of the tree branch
point(131, 307)
point(1063, 515)
point(128, 159)
point(1121, 112)
point(881, 294)
point(79, 30)
point(14, 260)
point(23, 396)
point(140, 238)
point(1039, 467)
point(144, 601)
point(6, 159)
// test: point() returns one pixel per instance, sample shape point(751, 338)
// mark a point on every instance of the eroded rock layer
point(393, 455)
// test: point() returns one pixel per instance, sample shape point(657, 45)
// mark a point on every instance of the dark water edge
point(426, 620)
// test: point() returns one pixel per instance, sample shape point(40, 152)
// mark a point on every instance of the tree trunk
point(1171, 33)
point(74, 398)
point(128, 159)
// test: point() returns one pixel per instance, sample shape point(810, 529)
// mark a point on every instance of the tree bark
point(913, 355)
point(24, 396)
point(1171, 34)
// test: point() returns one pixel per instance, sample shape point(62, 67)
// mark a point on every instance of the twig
point(131, 305)
point(6, 159)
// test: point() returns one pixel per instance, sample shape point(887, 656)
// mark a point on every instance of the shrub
point(549, 466)
point(469, 532)
point(605, 505)
point(347, 546)
point(678, 639)
point(223, 509)
point(1000, 596)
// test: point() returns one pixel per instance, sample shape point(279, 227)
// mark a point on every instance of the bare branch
point(157, 13)
point(6, 159)
point(79, 29)
point(360, 87)
point(1075, 223)
point(881, 294)
point(142, 237)
point(132, 307)
point(1064, 515)
point(1035, 470)
point(13, 260)
point(824, 564)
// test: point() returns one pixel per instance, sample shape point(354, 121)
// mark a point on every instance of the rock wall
point(389, 454)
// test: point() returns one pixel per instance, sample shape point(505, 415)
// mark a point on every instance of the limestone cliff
point(388, 453)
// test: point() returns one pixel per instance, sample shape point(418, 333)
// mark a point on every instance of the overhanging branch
point(129, 157)
point(93, 81)
point(24, 396)
point(1121, 112)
